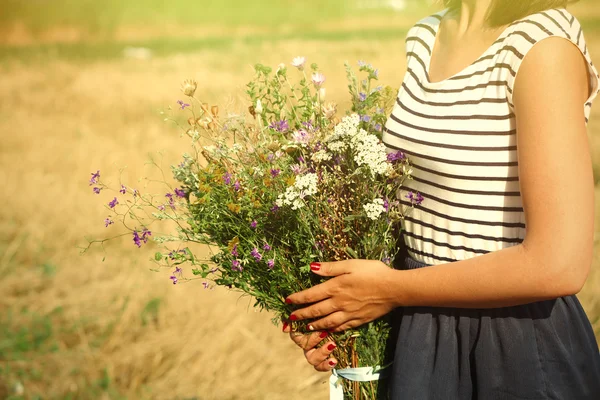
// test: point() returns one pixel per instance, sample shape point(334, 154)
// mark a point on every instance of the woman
point(501, 156)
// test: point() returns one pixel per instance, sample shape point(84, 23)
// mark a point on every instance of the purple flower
point(376, 75)
point(113, 203)
point(95, 177)
point(108, 222)
point(308, 125)
point(280, 126)
point(179, 192)
point(171, 201)
point(206, 285)
point(275, 172)
point(255, 253)
point(362, 96)
point(123, 189)
point(227, 178)
point(365, 118)
point(378, 127)
point(253, 224)
point(271, 263)
point(361, 63)
point(237, 186)
point(182, 104)
point(174, 279)
point(271, 157)
point(135, 193)
point(415, 199)
point(386, 260)
point(396, 156)
point(234, 251)
point(266, 247)
point(236, 266)
point(178, 270)
point(136, 239)
point(301, 160)
point(161, 207)
point(97, 190)
point(386, 205)
point(274, 208)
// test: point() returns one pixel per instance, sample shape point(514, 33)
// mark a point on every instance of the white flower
point(321, 155)
point(280, 68)
point(305, 185)
point(299, 62)
point(258, 109)
point(337, 146)
point(374, 209)
point(318, 79)
point(371, 153)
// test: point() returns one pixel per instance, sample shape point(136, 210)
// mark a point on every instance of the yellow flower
point(233, 242)
point(234, 208)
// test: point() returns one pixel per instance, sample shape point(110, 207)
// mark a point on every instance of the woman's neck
point(471, 16)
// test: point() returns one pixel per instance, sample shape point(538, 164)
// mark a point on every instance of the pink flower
point(318, 79)
point(299, 62)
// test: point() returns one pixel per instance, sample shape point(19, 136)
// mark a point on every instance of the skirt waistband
point(411, 263)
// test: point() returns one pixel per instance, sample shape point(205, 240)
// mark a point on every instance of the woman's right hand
point(318, 357)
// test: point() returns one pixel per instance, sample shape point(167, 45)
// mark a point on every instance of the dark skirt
point(542, 350)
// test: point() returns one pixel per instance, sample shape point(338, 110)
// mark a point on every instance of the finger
point(317, 355)
point(330, 322)
point(312, 295)
point(348, 325)
point(308, 341)
point(320, 309)
point(326, 365)
point(335, 268)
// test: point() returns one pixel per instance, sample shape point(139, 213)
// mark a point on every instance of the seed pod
point(204, 107)
point(214, 111)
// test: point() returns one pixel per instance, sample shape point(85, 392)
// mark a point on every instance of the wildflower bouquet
point(272, 191)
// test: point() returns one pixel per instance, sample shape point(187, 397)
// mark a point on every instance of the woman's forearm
point(508, 277)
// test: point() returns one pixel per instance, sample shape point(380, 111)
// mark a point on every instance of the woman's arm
point(557, 189)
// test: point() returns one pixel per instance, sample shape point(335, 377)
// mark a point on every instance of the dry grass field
point(79, 327)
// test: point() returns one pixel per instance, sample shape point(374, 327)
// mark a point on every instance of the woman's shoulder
point(551, 22)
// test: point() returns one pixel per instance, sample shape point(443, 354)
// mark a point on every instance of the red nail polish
point(323, 335)
point(331, 347)
point(315, 266)
point(288, 301)
point(285, 325)
point(293, 317)
point(332, 363)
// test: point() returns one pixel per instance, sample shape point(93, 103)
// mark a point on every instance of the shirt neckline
point(436, 29)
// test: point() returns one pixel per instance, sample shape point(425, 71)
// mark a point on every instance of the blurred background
point(82, 85)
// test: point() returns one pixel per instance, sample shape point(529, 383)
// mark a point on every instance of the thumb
point(335, 268)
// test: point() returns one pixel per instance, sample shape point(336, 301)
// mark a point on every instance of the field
point(82, 85)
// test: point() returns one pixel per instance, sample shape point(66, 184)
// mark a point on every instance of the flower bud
point(204, 107)
point(274, 146)
point(258, 108)
point(191, 121)
point(188, 87)
point(329, 110)
point(214, 111)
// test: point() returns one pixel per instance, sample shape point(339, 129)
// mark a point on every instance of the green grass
point(106, 15)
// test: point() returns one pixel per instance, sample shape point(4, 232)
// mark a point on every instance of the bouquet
point(274, 189)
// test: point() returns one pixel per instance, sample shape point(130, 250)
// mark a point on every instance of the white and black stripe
point(460, 135)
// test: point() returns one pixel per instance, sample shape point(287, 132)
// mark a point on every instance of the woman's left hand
point(359, 292)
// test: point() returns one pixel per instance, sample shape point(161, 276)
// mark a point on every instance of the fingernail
point(323, 334)
point(293, 317)
point(315, 266)
point(331, 347)
point(288, 301)
point(285, 326)
point(310, 328)
point(332, 363)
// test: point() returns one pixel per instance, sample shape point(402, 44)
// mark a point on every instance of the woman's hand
point(318, 357)
point(359, 292)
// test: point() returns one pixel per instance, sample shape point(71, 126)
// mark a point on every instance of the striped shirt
point(460, 134)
